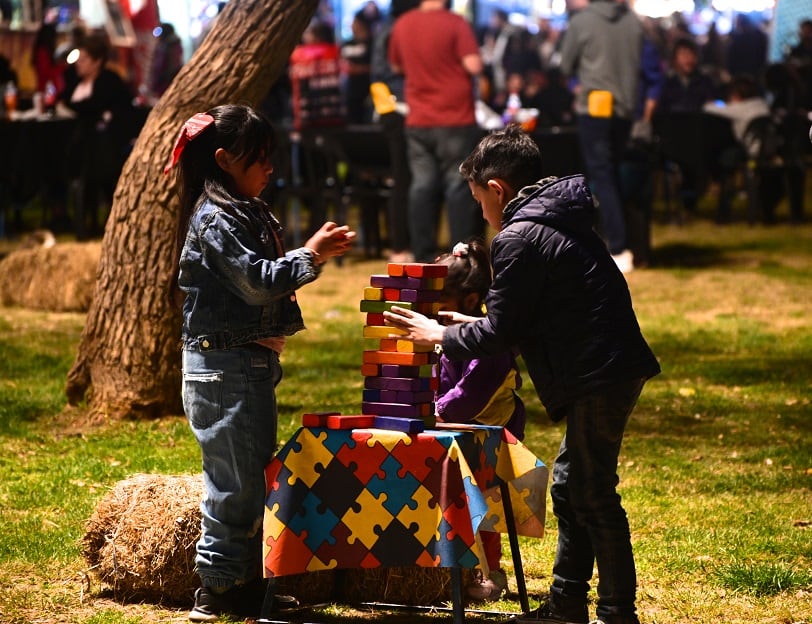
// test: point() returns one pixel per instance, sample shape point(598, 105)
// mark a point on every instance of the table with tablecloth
point(365, 498)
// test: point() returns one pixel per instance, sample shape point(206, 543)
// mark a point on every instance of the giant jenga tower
point(400, 376)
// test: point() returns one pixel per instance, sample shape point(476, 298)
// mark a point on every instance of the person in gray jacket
point(602, 47)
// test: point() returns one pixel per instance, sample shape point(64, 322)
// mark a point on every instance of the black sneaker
point(243, 601)
point(545, 615)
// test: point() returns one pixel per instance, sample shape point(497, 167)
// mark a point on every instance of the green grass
point(716, 467)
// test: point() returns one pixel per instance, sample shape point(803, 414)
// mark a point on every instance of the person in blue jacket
point(239, 305)
point(559, 297)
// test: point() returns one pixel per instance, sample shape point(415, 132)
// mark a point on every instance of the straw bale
point(58, 278)
point(398, 585)
point(140, 540)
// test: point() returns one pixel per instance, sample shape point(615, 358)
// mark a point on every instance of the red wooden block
point(375, 318)
point(403, 359)
point(417, 269)
point(391, 294)
point(317, 419)
point(350, 422)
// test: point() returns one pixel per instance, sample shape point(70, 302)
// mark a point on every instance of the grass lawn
point(716, 467)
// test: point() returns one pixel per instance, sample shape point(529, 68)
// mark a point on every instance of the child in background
point(240, 305)
point(481, 390)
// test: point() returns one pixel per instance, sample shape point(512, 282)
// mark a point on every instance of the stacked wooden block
point(400, 377)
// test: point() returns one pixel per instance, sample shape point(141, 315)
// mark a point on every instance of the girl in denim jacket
point(240, 305)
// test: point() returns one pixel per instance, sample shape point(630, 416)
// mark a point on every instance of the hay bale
point(398, 585)
point(59, 278)
point(140, 540)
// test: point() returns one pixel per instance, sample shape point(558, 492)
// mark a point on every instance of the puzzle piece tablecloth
point(364, 498)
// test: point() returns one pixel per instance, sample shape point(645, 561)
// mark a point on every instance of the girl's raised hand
point(331, 240)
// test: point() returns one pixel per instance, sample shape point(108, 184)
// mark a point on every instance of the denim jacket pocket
point(202, 397)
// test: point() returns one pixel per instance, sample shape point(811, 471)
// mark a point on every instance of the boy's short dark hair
point(510, 155)
point(684, 43)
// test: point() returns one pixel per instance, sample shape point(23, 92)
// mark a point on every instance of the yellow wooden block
point(373, 294)
point(382, 331)
point(407, 346)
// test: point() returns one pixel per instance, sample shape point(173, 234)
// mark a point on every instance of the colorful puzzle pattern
point(345, 498)
point(400, 377)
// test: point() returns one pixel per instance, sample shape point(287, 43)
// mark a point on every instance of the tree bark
point(128, 361)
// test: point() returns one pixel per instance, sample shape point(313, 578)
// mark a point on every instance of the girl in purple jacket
point(482, 390)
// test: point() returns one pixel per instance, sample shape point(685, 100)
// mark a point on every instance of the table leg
point(518, 570)
point(456, 595)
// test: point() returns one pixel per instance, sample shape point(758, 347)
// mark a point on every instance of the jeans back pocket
point(202, 397)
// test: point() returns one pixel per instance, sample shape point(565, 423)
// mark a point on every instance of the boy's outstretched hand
point(330, 240)
point(422, 330)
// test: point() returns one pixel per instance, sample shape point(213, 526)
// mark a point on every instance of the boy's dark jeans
point(592, 525)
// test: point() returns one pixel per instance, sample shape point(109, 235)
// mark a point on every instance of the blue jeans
point(592, 525)
point(435, 155)
point(229, 399)
point(603, 142)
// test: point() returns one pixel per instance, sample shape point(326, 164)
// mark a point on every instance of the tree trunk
point(128, 363)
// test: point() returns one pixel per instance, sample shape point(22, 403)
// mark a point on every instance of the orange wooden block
point(371, 370)
point(407, 346)
point(395, 269)
point(404, 359)
point(389, 344)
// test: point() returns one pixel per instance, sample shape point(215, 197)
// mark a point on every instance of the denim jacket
point(240, 284)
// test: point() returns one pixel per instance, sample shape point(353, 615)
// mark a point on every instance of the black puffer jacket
point(558, 296)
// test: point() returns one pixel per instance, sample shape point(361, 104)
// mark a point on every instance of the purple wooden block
point(419, 296)
point(372, 395)
point(411, 397)
point(397, 370)
point(407, 425)
point(386, 281)
point(402, 410)
point(414, 384)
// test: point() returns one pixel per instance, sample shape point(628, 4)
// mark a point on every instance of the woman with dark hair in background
point(103, 106)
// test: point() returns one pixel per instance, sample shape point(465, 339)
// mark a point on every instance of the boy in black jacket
point(558, 296)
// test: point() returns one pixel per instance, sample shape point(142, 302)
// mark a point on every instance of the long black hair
point(246, 135)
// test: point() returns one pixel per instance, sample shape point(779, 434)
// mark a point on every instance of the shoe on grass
point(242, 601)
point(545, 615)
point(487, 588)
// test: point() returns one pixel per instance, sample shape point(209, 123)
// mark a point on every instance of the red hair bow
point(191, 129)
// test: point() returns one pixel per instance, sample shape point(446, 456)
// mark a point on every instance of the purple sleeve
point(474, 383)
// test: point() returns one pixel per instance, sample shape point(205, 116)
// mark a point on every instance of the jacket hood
point(608, 9)
point(563, 203)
